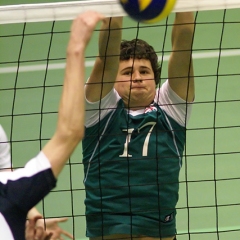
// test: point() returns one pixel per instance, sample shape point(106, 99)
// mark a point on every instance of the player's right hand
point(82, 28)
point(33, 232)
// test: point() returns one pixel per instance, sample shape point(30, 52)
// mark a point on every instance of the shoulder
point(39, 164)
point(96, 111)
point(37, 172)
point(110, 99)
point(172, 104)
point(165, 94)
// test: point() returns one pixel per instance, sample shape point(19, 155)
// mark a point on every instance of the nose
point(137, 80)
point(136, 77)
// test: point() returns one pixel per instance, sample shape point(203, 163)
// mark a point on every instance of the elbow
point(71, 134)
point(76, 134)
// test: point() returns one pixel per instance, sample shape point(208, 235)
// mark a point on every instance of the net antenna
point(110, 8)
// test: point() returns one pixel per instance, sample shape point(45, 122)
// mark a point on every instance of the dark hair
point(140, 49)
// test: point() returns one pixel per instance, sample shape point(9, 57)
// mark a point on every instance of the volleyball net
point(33, 40)
point(110, 8)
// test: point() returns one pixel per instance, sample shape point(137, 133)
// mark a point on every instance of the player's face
point(135, 83)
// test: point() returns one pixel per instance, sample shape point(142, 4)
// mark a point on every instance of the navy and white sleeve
point(20, 191)
point(25, 187)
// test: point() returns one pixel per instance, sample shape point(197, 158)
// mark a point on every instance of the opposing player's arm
point(105, 69)
point(70, 125)
point(180, 68)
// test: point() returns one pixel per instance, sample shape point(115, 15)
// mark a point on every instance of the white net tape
point(110, 8)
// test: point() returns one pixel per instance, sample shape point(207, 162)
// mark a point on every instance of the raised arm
point(180, 68)
point(70, 126)
point(105, 69)
point(69, 132)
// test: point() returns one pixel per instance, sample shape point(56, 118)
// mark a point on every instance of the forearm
point(71, 109)
point(72, 105)
point(110, 37)
point(180, 70)
point(70, 126)
point(105, 69)
point(183, 30)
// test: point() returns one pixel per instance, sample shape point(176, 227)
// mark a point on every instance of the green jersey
point(132, 161)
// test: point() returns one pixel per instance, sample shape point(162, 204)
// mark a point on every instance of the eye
point(127, 73)
point(144, 72)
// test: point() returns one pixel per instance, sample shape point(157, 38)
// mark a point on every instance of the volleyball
point(148, 11)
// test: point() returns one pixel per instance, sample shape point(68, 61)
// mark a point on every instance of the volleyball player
point(50, 223)
point(135, 134)
point(22, 189)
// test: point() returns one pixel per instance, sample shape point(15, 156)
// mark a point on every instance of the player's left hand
point(53, 227)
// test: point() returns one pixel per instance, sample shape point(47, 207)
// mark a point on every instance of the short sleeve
point(25, 187)
point(5, 158)
point(172, 104)
point(95, 111)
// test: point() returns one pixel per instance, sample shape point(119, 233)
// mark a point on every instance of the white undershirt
point(165, 97)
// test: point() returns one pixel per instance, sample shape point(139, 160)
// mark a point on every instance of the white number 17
point(145, 144)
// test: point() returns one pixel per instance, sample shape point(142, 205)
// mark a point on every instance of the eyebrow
point(130, 68)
